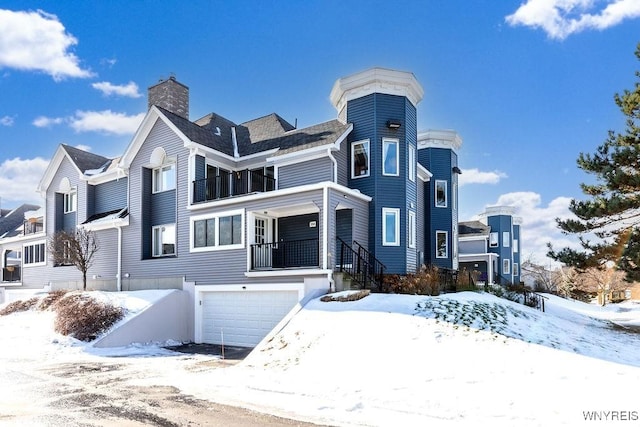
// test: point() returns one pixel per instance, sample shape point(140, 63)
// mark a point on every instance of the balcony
point(229, 184)
point(285, 254)
point(33, 226)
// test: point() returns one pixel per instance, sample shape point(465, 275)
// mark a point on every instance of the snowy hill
point(456, 359)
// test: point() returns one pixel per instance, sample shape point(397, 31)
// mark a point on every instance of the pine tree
point(611, 212)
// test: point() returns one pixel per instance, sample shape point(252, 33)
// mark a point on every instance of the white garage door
point(243, 318)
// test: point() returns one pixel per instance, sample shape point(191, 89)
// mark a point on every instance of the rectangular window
point(493, 240)
point(412, 163)
point(515, 269)
point(390, 227)
point(390, 157)
point(506, 239)
point(441, 193)
point(164, 240)
point(360, 159)
point(442, 244)
point(515, 246)
point(221, 231)
point(71, 201)
point(412, 229)
point(164, 178)
point(506, 266)
point(34, 254)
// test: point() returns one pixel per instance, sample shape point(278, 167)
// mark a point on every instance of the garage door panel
point(243, 318)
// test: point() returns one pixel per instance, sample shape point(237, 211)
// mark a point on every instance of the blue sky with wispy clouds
point(527, 85)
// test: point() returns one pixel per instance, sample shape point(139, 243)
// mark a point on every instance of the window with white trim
point(493, 240)
point(516, 269)
point(390, 157)
point(506, 239)
point(441, 193)
point(506, 266)
point(360, 159)
point(34, 254)
point(442, 244)
point(164, 178)
point(390, 227)
point(412, 163)
point(71, 201)
point(164, 240)
point(412, 229)
point(515, 246)
point(220, 231)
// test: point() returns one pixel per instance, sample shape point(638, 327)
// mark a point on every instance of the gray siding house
point(251, 218)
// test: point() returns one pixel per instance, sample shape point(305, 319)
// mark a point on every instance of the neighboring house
point(492, 245)
point(20, 231)
point(250, 218)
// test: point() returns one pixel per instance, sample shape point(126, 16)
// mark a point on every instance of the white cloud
point(19, 179)
point(6, 121)
point(37, 41)
point(107, 88)
point(105, 121)
point(561, 18)
point(45, 122)
point(475, 176)
point(539, 223)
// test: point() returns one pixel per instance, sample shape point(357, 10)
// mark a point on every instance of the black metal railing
point(230, 184)
point(285, 254)
point(361, 265)
point(533, 299)
point(32, 227)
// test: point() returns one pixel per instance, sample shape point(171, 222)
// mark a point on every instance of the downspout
point(325, 237)
point(335, 165)
point(119, 275)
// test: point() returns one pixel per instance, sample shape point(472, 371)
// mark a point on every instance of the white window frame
point(412, 163)
point(516, 269)
point(515, 246)
point(157, 185)
point(365, 143)
point(396, 213)
point(506, 266)
point(444, 184)
point(506, 239)
point(154, 241)
point(446, 244)
point(493, 239)
point(71, 201)
point(385, 143)
point(216, 217)
point(26, 257)
point(412, 234)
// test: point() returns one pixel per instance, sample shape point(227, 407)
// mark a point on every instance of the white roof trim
point(53, 167)
point(444, 138)
point(423, 173)
point(376, 80)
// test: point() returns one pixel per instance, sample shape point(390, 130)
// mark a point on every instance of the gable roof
point(212, 131)
point(85, 160)
point(15, 218)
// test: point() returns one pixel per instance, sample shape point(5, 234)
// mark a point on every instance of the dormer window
point(70, 201)
point(164, 178)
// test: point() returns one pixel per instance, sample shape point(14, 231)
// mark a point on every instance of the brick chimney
point(171, 95)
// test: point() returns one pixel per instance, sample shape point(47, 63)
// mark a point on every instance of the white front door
point(262, 253)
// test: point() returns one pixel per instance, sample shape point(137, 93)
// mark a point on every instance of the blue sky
point(527, 84)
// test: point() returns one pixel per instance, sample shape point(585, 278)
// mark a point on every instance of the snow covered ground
point(391, 360)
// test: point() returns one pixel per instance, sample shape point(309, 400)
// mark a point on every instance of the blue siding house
point(251, 218)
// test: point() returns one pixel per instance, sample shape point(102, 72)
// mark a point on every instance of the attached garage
point(242, 316)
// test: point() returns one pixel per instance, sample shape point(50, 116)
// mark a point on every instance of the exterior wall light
point(393, 124)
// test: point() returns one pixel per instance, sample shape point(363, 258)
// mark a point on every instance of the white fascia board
point(104, 225)
point(472, 238)
point(284, 192)
point(53, 167)
point(153, 115)
point(480, 256)
point(423, 173)
point(376, 80)
point(22, 239)
point(443, 138)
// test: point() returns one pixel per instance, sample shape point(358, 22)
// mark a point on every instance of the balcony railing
point(231, 184)
point(32, 227)
point(285, 254)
